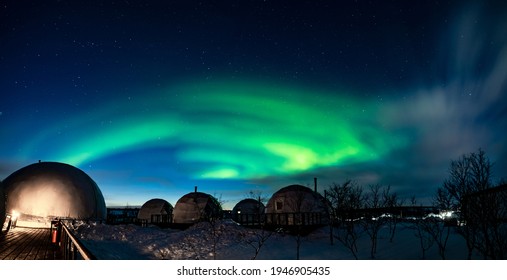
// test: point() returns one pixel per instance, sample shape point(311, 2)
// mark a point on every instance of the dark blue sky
point(153, 97)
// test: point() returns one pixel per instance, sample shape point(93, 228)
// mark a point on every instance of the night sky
point(151, 98)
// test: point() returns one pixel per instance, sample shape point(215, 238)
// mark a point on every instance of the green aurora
point(238, 130)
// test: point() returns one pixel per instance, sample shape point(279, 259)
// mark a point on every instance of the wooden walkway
point(23, 243)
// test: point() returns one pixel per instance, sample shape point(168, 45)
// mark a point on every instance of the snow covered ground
point(132, 242)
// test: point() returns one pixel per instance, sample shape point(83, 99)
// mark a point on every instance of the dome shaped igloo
point(296, 204)
point(53, 189)
point(156, 211)
point(248, 211)
point(196, 206)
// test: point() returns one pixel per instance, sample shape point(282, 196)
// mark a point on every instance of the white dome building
point(248, 211)
point(52, 189)
point(155, 211)
point(296, 205)
point(196, 206)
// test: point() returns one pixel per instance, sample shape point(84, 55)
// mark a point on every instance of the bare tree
point(393, 202)
point(441, 230)
point(256, 238)
point(345, 201)
point(210, 215)
point(420, 226)
point(376, 204)
point(262, 199)
point(258, 195)
point(490, 215)
point(432, 229)
point(217, 228)
point(298, 203)
point(481, 209)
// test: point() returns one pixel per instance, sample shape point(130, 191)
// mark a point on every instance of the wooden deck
point(22, 243)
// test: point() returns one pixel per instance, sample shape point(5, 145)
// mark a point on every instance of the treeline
point(468, 202)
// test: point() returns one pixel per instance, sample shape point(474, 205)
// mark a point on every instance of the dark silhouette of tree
point(210, 216)
point(459, 186)
point(217, 228)
point(258, 195)
point(345, 202)
point(431, 228)
point(256, 238)
point(489, 214)
point(259, 210)
point(440, 229)
point(377, 201)
point(299, 202)
point(393, 202)
point(421, 225)
point(482, 209)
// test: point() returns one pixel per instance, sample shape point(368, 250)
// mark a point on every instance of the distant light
point(447, 214)
point(15, 215)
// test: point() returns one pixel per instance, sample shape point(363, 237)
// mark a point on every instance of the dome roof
point(295, 188)
point(249, 206)
point(295, 198)
point(196, 206)
point(53, 189)
point(154, 206)
point(248, 210)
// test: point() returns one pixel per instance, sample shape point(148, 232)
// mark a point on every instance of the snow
point(132, 242)
point(42, 223)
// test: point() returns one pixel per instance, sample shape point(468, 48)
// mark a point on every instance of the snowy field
point(132, 242)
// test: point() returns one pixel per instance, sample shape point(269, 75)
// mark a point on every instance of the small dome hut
point(155, 211)
point(296, 205)
point(248, 212)
point(196, 206)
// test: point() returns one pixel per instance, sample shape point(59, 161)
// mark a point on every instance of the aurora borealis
point(256, 131)
point(152, 99)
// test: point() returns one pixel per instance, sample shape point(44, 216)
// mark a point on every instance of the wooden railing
point(70, 247)
point(299, 218)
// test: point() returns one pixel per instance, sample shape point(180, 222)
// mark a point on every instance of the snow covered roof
point(156, 206)
point(53, 189)
point(194, 207)
point(295, 198)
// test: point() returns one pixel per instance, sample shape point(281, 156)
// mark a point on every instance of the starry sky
point(152, 98)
